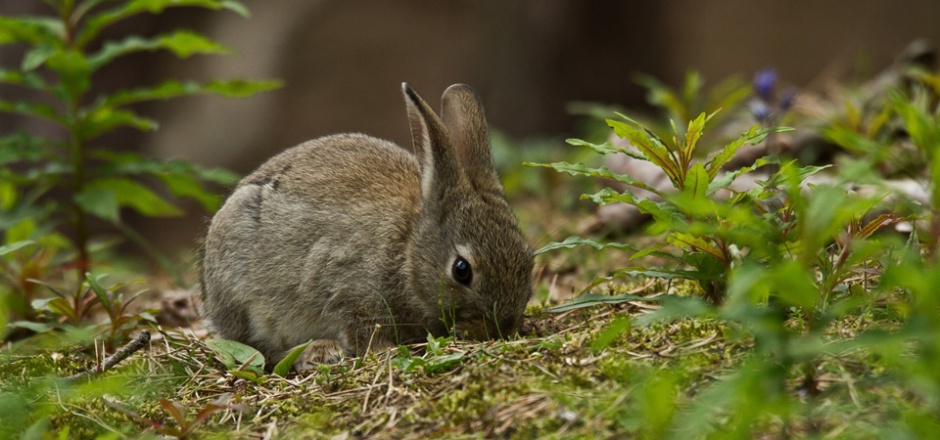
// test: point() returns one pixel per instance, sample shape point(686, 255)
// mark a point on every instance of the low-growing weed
point(785, 257)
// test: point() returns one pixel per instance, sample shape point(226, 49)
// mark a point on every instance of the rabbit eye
point(462, 272)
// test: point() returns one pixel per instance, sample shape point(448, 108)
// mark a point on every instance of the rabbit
point(354, 243)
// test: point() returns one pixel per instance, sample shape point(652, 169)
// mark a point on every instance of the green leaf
point(38, 110)
point(100, 292)
point(440, 364)
point(37, 56)
point(25, 79)
point(611, 332)
point(594, 299)
point(662, 273)
point(606, 148)
point(673, 307)
point(696, 182)
point(651, 147)
point(234, 354)
point(32, 30)
point(101, 203)
point(753, 136)
point(661, 212)
point(104, 119)
point(74, 72)
point(98, 22)
point(13, 247)
point(37, 327)
point(126, 192)
point(182, 185)
point(172, 89)
point(691, 242)
point(726, 179)
point(573, 241)
point(181, 43)
point(577, 169)
point(284, 366)
point(693, 133)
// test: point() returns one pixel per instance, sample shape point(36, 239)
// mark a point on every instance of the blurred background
point(342, 62)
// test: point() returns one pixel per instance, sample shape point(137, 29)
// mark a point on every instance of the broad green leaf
point(241, 88)
point(691, 242)
point(106, 119)
point(234, 354)
point(605, 148)
point(611, 332)
point(854, 142)
point(131, 194)
point(653, 150)
point(662, 273)
point(673, 307)
point(593, 299)
point(37, 56)
point(100, 292)
point(181, 43)
point(443, 363)
point(577, 169)
point(57, 305)
point(795, 285)
point(217, 175)
point(38, 327)
point(182, 185)
point(25, 79)
point(692, 134)
point(172, 89)
point(753, 136)
point(696, 182)
point(662, 212)
point(284, 366)
point(101, 203)
point(74, 72)
point(13, 247)
point(34, 109)
point(23, 147)
point(573, 241)
point(725, 180)
point(32, 30)
point(98, 22)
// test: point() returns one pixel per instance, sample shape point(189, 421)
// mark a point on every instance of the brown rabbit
point(341, 233)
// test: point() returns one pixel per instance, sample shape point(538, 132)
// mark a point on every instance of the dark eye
point(462, 272)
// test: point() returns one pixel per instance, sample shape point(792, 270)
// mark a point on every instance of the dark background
point(343, 62)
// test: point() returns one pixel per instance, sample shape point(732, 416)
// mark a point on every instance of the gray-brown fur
point(338, 234)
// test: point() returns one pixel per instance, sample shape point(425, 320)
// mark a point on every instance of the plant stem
point(77, 159)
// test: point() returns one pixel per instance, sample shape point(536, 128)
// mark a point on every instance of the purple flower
point(786, 98)
point(764, 82)
point(759, 109)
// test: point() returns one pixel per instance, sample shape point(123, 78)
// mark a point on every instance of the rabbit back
point(310, 242)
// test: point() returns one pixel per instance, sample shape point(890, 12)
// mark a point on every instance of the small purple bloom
point(759, 109)
point(787, 97)
point(764, 83)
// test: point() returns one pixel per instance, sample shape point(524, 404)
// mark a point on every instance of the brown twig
point(110, 362)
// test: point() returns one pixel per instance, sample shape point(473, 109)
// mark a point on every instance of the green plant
point(82, 307)
point(67, 178)
point(783, 259)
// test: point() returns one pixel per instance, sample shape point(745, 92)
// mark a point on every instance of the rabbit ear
point(462, 115)
point(439, 169)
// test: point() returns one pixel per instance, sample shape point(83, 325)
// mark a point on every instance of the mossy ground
point(553, 382)
point(585, 373)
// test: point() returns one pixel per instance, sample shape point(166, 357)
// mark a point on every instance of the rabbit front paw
point(321, 351)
